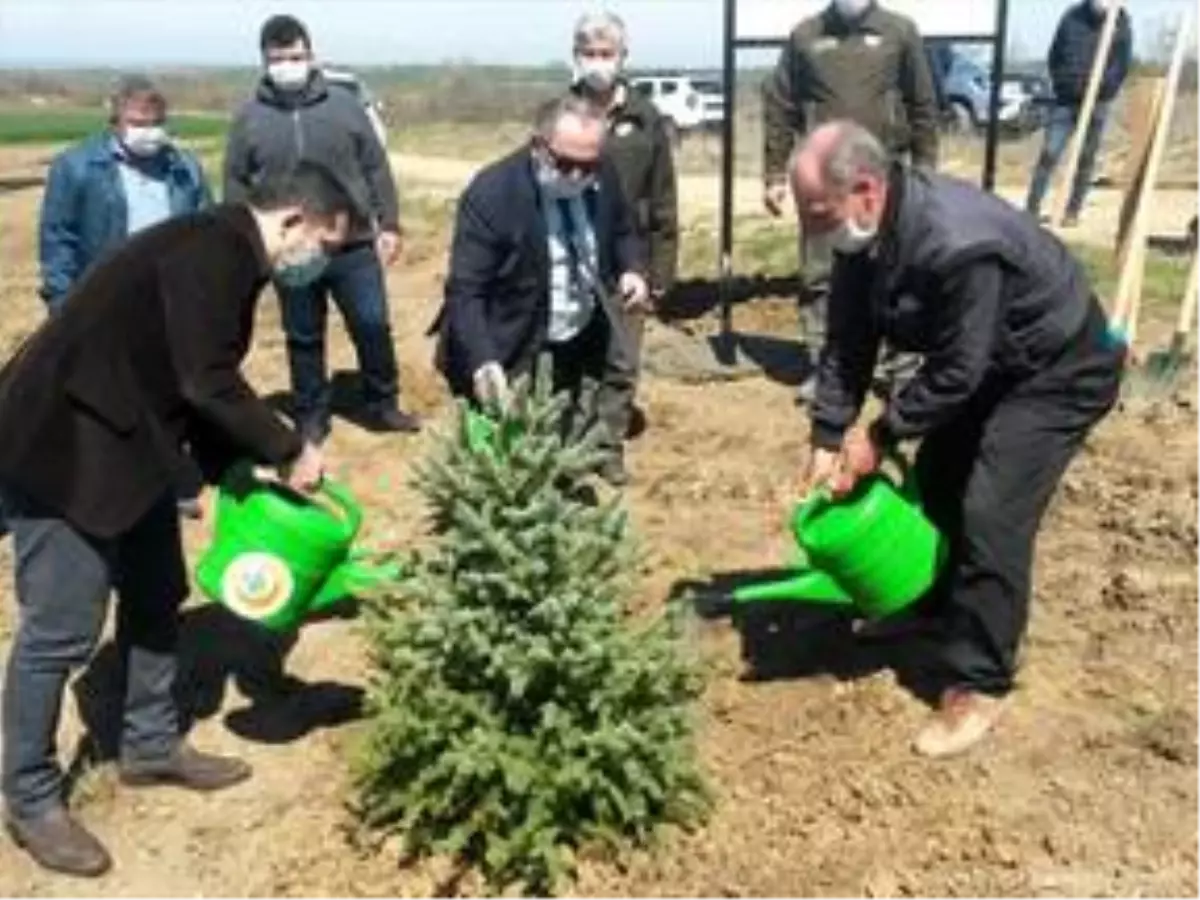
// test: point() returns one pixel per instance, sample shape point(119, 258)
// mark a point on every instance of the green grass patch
point(760, 247)
point(771, 249)
point(458, 140)
point(40, 126)
point(1162, 284)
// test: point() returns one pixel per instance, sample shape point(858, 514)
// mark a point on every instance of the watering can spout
point(353, 578)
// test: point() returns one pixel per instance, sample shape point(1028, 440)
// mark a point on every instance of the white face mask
point(144, 140)
point(850, 237)
point(851, 9)
point(289, 75)
point(597, 74)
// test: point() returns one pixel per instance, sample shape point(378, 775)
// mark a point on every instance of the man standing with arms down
point(543, 252)
point(99, 411)
point(108, 188)
point(111, 186)
point(296, 115)
point(640, 149)
point(1072, 53)
point(855, 60)
point(1018, 367)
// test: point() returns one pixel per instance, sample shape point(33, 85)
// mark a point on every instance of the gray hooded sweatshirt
point(319, 123)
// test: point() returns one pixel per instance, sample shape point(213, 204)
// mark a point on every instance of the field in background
point(479, 112)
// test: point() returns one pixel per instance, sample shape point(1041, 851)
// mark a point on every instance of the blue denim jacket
point(84, 212)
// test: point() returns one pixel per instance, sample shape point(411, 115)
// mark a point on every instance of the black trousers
point(580, 366)
point(986, 479)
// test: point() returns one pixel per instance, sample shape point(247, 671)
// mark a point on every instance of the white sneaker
point(963, 719)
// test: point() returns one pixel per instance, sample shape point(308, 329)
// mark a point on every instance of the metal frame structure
point(732, 44)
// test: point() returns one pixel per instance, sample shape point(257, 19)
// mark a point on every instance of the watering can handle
point(345, 502)
point(906, 484)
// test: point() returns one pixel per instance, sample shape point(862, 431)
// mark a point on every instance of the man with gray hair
point(640, 149)
point(112, 185)
point(1018, 367)
point(544, 258)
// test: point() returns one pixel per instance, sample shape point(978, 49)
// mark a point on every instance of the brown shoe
point(185, 767)
point(59, 843)
point(963, 719)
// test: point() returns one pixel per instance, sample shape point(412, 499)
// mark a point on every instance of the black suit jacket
point(96, 407)
point(497, 299)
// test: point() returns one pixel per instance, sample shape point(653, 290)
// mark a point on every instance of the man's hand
point(634, 292)
point(822, 467)
point(388, 246)
point(491, 386)
point(306, 471)
point(860, 457)
point(774, 196)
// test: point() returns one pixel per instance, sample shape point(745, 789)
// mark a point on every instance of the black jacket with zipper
point(321, 123)
point(960, 276)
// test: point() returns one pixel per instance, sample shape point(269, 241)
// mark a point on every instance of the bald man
point(1018, 368)
point(545, 259)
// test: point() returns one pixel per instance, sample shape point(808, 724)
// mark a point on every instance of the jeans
point(1059, 128)
point(63, 579)
point(986, 478)
point(354, 277)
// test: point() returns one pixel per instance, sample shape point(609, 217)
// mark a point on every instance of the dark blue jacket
point(1074, 48)
point(84, 214)
point(497, 301)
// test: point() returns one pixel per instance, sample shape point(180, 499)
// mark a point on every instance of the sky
point(685, 33)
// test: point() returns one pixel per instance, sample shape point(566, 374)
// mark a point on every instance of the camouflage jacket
point(640, 147)
point(873, 70)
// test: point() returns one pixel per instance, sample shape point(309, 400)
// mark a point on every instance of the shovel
point(1163, 368)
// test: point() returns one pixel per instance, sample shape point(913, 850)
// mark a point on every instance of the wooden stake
point(1063, 195)
point(1134, 260)
point(1143, 105)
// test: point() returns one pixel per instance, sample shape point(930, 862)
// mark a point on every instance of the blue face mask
point(303, 271)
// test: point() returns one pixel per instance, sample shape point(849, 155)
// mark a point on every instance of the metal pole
point(727, 143)
point(993, 125)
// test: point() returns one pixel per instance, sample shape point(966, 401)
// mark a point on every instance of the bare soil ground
point(1089, 788)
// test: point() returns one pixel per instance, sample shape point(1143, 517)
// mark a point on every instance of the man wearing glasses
point(544, 258)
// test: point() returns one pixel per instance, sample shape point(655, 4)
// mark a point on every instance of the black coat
point(960, 276)
point(497, 301)
point(96, 407)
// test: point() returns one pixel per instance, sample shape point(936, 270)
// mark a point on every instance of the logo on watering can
point(257, 585)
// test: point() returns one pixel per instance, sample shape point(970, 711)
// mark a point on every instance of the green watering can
point(278, 557)
point(872, 550)
point(487, 435)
